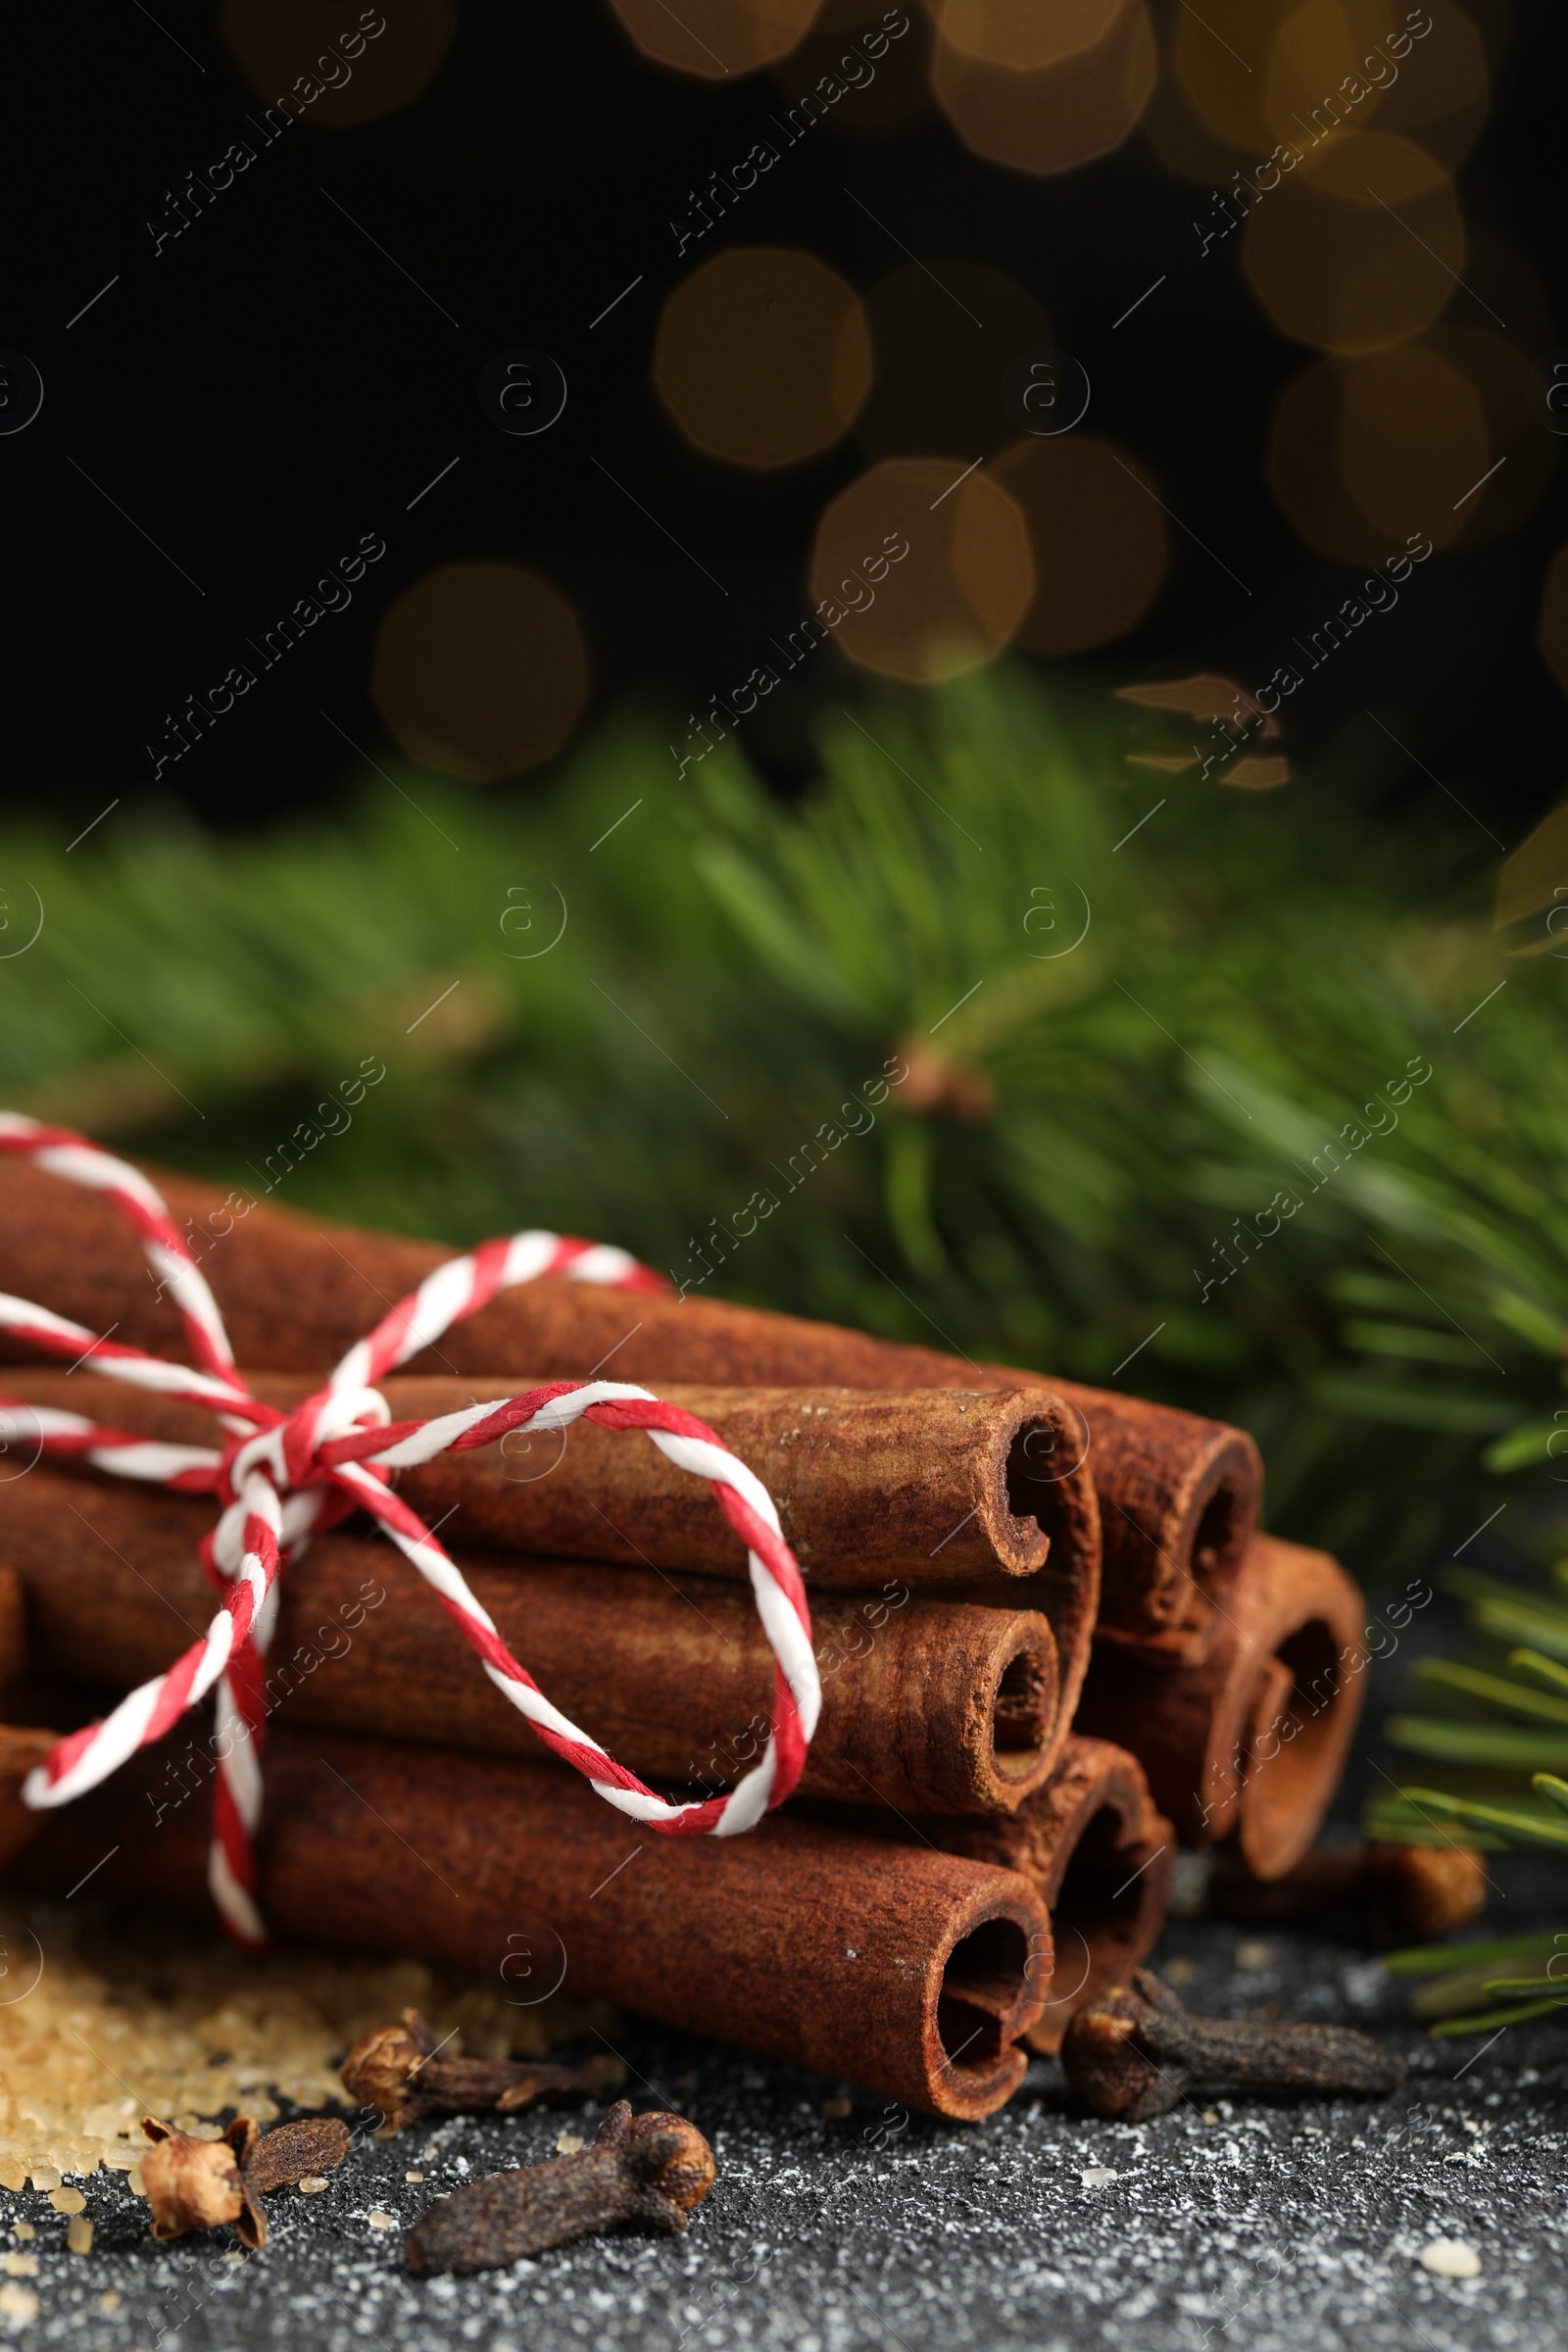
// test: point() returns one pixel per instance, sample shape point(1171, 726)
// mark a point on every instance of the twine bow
point(283, 1476)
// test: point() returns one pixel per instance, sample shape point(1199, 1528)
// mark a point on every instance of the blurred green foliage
point(1122, 1046)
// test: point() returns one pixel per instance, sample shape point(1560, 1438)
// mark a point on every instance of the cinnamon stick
point(20, 1748)
point(1095, 1851)
point(937, 1487)
point(1180, 1495)
point(926, 1706)
point(911, 1974)
point(1249, 1745)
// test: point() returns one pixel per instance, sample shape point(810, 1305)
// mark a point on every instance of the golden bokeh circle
point(1411, 441)
point(1022, 34)
point(717, 38)
point(480, 670)
point(1326, 59)
point(1551, 634)
point(289, 49)
point(1500, 371)
point(762, 356)
point(1359, 247)
point(1219, 61)
point(1048, 119)
point(942, 337)
point(1365, 451)
point(1098, 537)
point(871, 83)
point(956, 595)
point(1441, 96)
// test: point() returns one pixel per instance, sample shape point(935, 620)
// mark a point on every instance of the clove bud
point(646, 2168)
point(1136, 2052)
point(405, 2074)
point(201, 2184)
point(1402, 1892)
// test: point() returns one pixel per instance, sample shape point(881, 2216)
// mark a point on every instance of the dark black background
point(270, 387)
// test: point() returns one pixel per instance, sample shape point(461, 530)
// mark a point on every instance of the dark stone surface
point(1230, 2222)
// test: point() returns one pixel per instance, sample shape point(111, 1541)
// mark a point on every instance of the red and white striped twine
point(283, 1476)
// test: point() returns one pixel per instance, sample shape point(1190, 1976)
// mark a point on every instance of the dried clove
point(405, 2074)
point(646, 2168)
point(201, 2184)
point(1401, 1892)
point(1136, 2052)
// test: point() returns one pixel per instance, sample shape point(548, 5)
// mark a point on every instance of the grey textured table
point(1230, 2222)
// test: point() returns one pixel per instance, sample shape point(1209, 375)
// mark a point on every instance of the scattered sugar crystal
point(66, 2200)
point(78, 2236)
point(1451, 2258)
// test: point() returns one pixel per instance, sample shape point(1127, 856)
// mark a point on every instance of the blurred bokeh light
point(956, 595)
point(1219, 61)
point(1083, 99)
point(480, 670)
point(717, 37)
point(942, 337)
point(1359, 247)
point(1498, 371)
point(1023, 34)
point(1326, 64)
point(1364, 452)
point(1099, 539)
point(286, 48)
point(762, 356)
point(1443, 95)
point(1553, 632)
point(884, 93)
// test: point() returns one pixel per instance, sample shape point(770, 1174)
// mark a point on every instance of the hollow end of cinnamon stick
point(1024, 1711)
point(1094, 1848)
point(1250, 1743)
point(1093, 1844)
point(1193, 1494)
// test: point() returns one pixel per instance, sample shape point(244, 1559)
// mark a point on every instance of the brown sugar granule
point(135, 2014)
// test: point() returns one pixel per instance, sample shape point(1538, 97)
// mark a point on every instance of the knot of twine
point(281, 1478)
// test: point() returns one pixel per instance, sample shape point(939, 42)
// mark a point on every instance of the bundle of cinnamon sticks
point(1052, 1640)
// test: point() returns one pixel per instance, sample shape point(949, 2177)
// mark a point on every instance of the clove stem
point(1136, 2052)
point(406, 2074)
point(651, 2168)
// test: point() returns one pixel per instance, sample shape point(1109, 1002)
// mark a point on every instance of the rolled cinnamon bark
point(1096, 1852)
point(928, 1488)
point(925, 1705)
point(20, 1748)
point(1180, 1494)
point(13, 1625)
point(1099, 1855)
point(911, 1974)
point(1250, 1743)
point(935, 1486)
